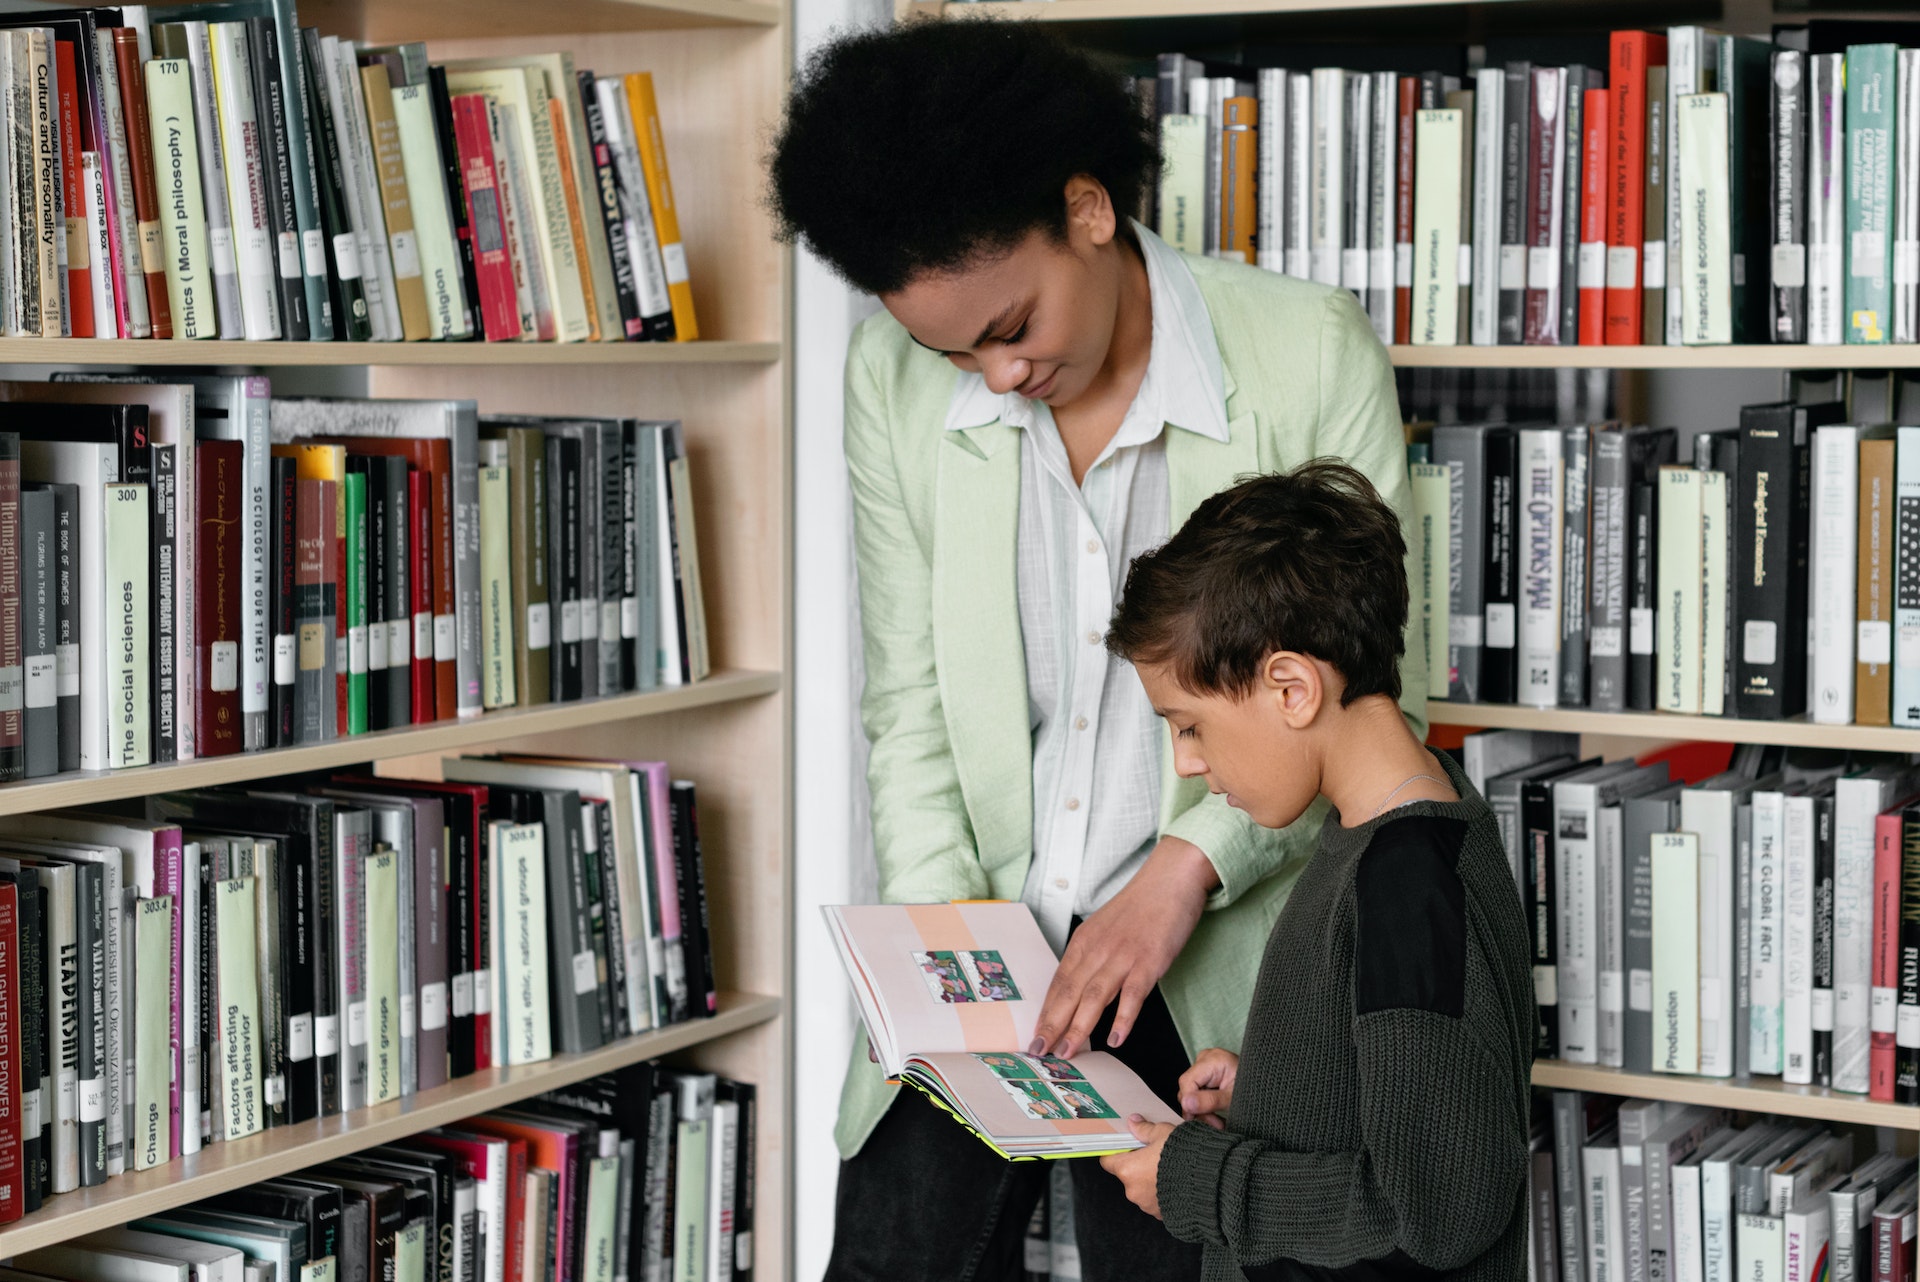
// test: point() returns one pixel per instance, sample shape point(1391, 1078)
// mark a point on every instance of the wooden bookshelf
point(1136, 10)
point(133, 351)
point(1749, 1095)
point(1747, 356)
point(220, 1167)
point(1796, 733)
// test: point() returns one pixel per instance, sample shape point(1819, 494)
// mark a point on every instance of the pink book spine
point(1886, 954)
point(169, 879)
point(660, 810)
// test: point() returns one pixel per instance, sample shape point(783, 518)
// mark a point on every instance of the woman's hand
point(1206, 1089)
point(1124, 948)
point(1139, 1170)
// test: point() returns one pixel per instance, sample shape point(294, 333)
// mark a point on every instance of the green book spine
point(357, 571)
point(496, 591)
point(1870, 155)
point(383, 976)
point(239, 1108)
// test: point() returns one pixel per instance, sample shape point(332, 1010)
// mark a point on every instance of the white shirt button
point(1073, 803)
point(1093, 545)
point(1093, 638)
point(1060, 883)
point(1079, 723)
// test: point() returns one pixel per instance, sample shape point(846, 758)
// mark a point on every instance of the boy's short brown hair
point(1310, 560)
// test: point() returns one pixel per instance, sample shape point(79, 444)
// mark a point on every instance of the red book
point(1886, 952)
point(13, 1189)
point(481, 1152)
point(1594, 185)
point(1893, 1244)
point(1407, 104)
point(552, 1147)
point(1546, 143)
point(219, 484)
point(493, 268)
point(420, 545)
point(1632, 53)
point(146, 188)
point(79, 252)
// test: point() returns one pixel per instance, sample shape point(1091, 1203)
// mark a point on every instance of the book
point(1675, 961)
point(1631, 53)
point(1826, 207)
point(182, 213)
point(907, 986)
point(1437, 188)
point(1540, 498)
point(1704, 251)
point(1788, 195)
point(1871, 102)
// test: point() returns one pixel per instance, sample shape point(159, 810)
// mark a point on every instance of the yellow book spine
point(666, 218)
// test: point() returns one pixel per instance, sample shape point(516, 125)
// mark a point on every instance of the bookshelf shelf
point(1797, 733)
point(1752, 356)
point(91, 787)
point(1752, 1095)
point(433, 19)
point(1133, 10)
point(220, 1167)
point(134, 351)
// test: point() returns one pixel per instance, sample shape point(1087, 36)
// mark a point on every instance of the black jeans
point(924, 1201)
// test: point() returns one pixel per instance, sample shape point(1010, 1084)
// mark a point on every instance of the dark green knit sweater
point(1379, 1120)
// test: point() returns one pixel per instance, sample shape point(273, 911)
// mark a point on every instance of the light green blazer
point(945, 706)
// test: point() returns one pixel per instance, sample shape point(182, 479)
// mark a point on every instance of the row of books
point(193, 567)
point(1694, 188)
point(227, 961)
point(1754, 923)
point(230, 174)
point(1762, 571)
point(643, 1173)
point(1644, 1189)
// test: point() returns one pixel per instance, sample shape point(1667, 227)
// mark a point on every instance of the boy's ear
point(1294, 682)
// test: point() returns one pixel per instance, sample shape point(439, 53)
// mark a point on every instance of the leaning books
point(949, 993)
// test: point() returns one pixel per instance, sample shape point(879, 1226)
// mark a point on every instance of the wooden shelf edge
point(1125, 10)
point(1751, 1095)
point(220, 1167)
point(93, 787)
point(1754, 356)
point(1797, 733)
point(117, 351)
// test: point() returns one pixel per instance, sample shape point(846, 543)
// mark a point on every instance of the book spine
point(49, 229)
point(1873, 590)
point(1575, 820)
point(1406, 108)
point(613, 220)
point(1630, 54)
point(1463, 452)
point(1572, 145)
point(128, 640)
point(305, 163)
point(1766, 487)
point(390, 167)
point(93, 183)
point(1836, 494)
point(1490, 99)
point(1788, 194)
point(41, 724)
point(76, 256)
point(219, 260)
point(359, 648)
point(1608, 574)
point(1856, 804)
point(182, 216)
point(241, 1104)
point(1540, 502)
point(427, 195)
point(283, 694)
point(146, 197)
point(498, 308)
point(1237, 210)
point(276, 171)
point(1301, 180)
point(129, 286)
point(382, 892)
point(1681, 611)
point(1660, 185)
point(246, 181)
point(1906, 1076)
point(12, 1168)
point(1884, 999)
point(1429, 594)
point(1706, 278)
point(1576, 551)
point(1546, 144)
point(1821, 994)
point(1766, 1036)
point(1871, 118)
point(166, 583)
point(1797, 940)
point(217, 729)
point(340, 77)
point(353, 317)
point(1381, 196)
point(1595, 187)
point(1516, 164)
point(496, 589)
point(1675, 861)
point(1434, 315)
point(420, 553)
point(1826, 208)
point(12, 661)
point(1329, 178)
point(397, 585)
point(91, 1007)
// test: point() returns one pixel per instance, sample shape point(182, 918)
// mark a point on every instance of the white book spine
point(1705, 259)
point(1687, 1260)
point(1606, 1229)
point(63, 1029)
point(1759, 1248)
point(330, 97)
point(359, 136)
point(1805, 1234)
point(1676, 969)
point(1715, 590)
point(213, 182)
point(1709, 815)
point(1826, 158)
point(1382, 237)
point(191, 1104)
point(1328, 168)
point(1541, 502)
point(1765, 914)
point(523, 930)
point(1716, 1221)
point(1271, 190)
point(1436, 227)
point(1575, 818)
point(1610, 866)
point(1489, 108)
point(246, 181)
point(1298, 210)
point(1356, 183)
point(126, 533)
point(119, 180)
point(722, 1182)
point(153, 1060)
point(106, 323)
point(1679, 619)
point(1836, 498)
point(238, 1074)
point(382, 908)
point(1906, 585)
point(1857, 801)
point(1683, 78)
point(1797, 944)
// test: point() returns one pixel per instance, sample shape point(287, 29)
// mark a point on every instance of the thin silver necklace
point(1396, 792)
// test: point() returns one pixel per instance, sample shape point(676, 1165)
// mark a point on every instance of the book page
point(1038, 1104)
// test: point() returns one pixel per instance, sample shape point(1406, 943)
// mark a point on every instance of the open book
point(951, 994)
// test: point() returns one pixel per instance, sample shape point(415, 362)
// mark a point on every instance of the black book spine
point(1723, 456)
point(209, 1022)
point(1906, 1079)
point(1498, 674)
point(166, 585)
point(90, 912)
point(1642, 531)
point(613, 534)
point(456, 194)
point(320, 935)
point(1514, 169)
point(1767, 484)
point(1823, 855)
point(593, 1004)
point(1788, 176)
point(379, 514)
point(35, 1085)
point(1536, 827)
point(66, 601)
point(398, 586)
point(1576, 555)
point(281, 489)
point(1572, 127)
point(612, 218)
point(462, 836)
point(675, 601)
point(572, 683)
point(612, 925)
point(695, 930)
point(1750, 161)
point(747, 1183)
point(629, 558)
point(270, 105)
point(353, 323)
point(297, 926)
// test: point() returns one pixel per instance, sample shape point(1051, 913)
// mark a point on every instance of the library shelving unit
point(720, 68)
point(1139, 28)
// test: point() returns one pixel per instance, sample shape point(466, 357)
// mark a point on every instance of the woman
point(1050, 392)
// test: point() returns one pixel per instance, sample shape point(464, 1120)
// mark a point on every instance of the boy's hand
point(1206, 1089)
point(1139, 1170)
point(1124, 948)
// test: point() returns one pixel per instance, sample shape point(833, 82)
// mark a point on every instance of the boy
point(1381, 1128)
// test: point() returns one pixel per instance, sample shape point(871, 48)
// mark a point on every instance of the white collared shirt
point(1096, 742)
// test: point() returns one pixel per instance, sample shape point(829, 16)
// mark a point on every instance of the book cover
point(125, 529)
point(146, 196)
point(1871, 77)
point(38, 627)
point(1434, 311)
point(1545, 189)
point(1630, 54)
point(276, 171)
point(183, 218)
point(1706, 272)
point(217, 728)
point(1540, 501)
point(154, 957)
point(1661, 184)
point(1681, 610)
point(1826, 205)
point(1788, 196)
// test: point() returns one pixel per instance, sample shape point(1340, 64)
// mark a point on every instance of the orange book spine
point(1873, 675)
point(1594, 185)
point(1239, 212)
point(1632, 53)
point(666, 217)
